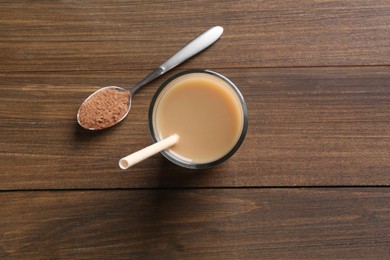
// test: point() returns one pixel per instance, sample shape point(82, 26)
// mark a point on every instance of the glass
point(167, 88)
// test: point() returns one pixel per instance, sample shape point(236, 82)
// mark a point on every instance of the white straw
point(141, 155)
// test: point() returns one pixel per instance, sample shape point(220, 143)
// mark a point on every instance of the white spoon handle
point(194, 47)
point(145, 153)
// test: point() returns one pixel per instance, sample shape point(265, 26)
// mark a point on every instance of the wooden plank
point(307, 126)
point(123, 35)
point(351, 223)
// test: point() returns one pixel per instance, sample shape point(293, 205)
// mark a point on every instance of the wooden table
point(311, 179)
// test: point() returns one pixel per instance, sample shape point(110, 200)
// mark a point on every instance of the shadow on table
point(180, 201)
point(82, 135)
point(171, 176)
point(86, 141)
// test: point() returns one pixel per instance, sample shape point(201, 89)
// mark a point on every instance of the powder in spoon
point(104, 109)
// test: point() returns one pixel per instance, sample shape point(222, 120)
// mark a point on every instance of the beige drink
point(205, 111)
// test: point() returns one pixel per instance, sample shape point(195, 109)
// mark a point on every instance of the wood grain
point(197, 224)
point(125, 35)
point(307, 126)
point(315, 75)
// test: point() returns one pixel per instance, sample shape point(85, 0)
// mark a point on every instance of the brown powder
point(104, 109)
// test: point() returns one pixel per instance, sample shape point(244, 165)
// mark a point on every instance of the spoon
point(194, 47)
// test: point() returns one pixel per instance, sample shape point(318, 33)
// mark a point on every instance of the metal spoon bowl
point(194, 47)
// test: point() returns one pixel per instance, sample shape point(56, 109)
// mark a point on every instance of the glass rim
point(239, 141)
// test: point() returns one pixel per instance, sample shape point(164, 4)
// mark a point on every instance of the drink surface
point(205, 112)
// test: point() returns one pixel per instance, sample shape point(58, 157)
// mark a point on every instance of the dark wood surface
point(311, 179)
point(307, 127)
point(199, 224)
